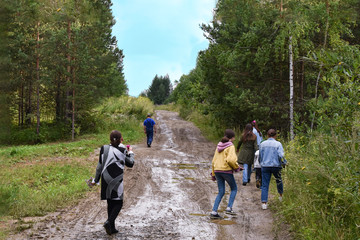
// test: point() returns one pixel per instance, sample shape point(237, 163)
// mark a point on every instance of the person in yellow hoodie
point(224, 164)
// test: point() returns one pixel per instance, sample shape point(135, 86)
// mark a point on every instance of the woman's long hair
point(247, 133)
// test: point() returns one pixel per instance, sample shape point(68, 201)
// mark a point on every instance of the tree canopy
point(159, 89)
point(244, 73)
point(62, 59)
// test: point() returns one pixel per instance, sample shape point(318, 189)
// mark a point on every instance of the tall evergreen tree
point(159, 89)
point(64, 59)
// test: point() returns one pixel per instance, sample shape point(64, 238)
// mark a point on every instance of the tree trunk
point(291, 70)
point(28, 106)
point(73, 104)
point(37, 81)
point(21, 102)
point(68, 78)
point(302, 76)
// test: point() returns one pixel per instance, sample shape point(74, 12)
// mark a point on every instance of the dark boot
point(113, 229)
point(107, 227)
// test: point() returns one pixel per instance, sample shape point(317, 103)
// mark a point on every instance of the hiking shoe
point(244, 183)
point(230, 212)
point(215, 216)
point(258, 184)
point(264, 206)
point(107, 228)
point(280, 198)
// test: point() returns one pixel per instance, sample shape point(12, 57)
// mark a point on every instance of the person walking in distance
point(270, 154)
point(149, 129)
point(257, 132)
point(248, 144)
point(223, 166)
point(110, 169)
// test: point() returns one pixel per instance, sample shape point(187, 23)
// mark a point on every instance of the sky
point(159, 37)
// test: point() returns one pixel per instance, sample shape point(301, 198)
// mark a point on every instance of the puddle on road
point(199, 214)
point(217, 221)
point(186, 178)
point(223, 222)
point(185, 166)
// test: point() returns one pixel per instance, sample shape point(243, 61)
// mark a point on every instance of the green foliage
point(73, 65)
point(159, 89)
point(36, 179)
point(322, 182)
point(123, 108)
point(36, 189)
point(243, 76)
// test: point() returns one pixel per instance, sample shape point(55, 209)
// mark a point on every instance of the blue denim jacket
point(271, 152)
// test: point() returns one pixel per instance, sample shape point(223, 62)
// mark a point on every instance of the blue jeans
point(220, 179)
point(266, 176)
point(149, 135)
point(246, 173)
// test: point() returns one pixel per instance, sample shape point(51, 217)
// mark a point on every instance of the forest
point(293, 65)
point(59, 58)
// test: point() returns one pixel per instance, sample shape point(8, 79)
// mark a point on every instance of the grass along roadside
point(37, 179)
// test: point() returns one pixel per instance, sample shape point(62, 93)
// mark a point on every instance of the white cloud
point(159, 37)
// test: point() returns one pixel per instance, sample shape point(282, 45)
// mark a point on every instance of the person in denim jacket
point(270, 154)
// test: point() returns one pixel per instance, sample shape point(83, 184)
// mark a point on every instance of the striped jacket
point(110, 168)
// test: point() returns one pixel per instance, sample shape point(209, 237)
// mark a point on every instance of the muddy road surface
point(168, 195)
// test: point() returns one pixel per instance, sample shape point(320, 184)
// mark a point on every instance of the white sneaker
point(264, 206)
point(280, 198)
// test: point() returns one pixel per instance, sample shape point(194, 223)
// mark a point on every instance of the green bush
point(322, 188)
point(124, 112)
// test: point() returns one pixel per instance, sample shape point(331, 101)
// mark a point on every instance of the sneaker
point(264, 206)
point(280, 198)
point(258, 184)
point(230, 212)
point(215, 216)
point(244, 183)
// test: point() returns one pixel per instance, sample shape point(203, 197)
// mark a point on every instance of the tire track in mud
point(168, 195)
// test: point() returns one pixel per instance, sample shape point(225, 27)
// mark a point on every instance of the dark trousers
point(113, 209)
point(258, 174)
point(149, 136)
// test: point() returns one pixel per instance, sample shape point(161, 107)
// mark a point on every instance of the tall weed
point(322, 187)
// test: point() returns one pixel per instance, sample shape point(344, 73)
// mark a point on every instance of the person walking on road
point(257, 132)
point(270, 154)
point(248, 141)
point(149, 129)
point(223, 166)
point(112, 160)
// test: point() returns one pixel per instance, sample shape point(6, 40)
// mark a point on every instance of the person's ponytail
point(229, 134)
point(115, 138)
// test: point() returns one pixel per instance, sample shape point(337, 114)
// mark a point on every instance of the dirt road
point(168, 195)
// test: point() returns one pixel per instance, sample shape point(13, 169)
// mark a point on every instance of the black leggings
point(113, 208)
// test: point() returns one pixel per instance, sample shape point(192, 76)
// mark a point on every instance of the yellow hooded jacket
point(225, 160)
